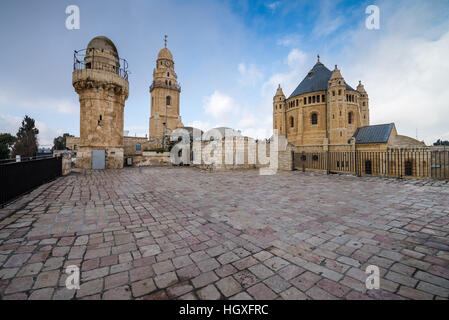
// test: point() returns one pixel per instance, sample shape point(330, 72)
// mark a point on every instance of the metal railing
point(394, 163)
point(17, 178)
point(10, 160)
point(95, 63)
point(162, 84)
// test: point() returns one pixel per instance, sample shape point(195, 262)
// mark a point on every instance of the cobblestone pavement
point(169, 233)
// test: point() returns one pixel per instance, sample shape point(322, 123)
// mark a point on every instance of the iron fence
point(18, 178)
point(97, 63)
point(393, 163)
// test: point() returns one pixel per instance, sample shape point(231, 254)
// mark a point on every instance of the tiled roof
point(316, 80)
point(373, 134)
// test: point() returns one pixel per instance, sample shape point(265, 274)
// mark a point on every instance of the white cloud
point(288, 40)
point(296, 58)
point(61, 106)
point(202, 125)
point(11, 124)
point(298, 63)
point(404, 68)
point(249, 75)
point(328, 20)
point(273, 5)
point(219, 105)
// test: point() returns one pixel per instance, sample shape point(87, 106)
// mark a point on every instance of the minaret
point(279, 111)
point(100, 78)
point(336, 112)
point(363, 105)
point(165, 92)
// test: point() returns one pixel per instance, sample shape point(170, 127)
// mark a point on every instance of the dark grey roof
point(316, 80)
point(373, 134)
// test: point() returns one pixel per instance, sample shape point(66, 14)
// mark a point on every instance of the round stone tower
point(101, 80)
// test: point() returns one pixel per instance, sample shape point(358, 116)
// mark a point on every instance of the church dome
point(103, 43)
point(316, 80)
point(165, 54)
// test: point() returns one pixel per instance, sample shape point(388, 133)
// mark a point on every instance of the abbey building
point(324, 113)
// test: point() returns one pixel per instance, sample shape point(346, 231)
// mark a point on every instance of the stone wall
point(130, 145)
point(66, 160)
point(152, 159)
point(243, 153)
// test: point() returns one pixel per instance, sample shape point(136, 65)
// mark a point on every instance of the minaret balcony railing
point(96, 64)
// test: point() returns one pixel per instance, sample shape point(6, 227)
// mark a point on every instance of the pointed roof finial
point(279, 85)
point(318, 57)
point(165, 40)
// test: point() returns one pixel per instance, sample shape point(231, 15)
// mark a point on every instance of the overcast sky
point(229, 56)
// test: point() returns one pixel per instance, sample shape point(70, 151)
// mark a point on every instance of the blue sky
point(229, 57)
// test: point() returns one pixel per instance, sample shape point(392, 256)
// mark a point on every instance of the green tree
point(6, 142)
point(59, 143)
point(26, 144)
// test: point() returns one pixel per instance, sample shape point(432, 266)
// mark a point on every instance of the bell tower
point(363, 105)
point(165, 92)
point(337, 109)
point(279, 111)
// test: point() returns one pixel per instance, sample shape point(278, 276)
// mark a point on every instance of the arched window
point(313, 99)
point(350, 117)
point(314, 119)
point(292, 122)
point(318, 99)
point(168, 100)
point(168, 74)
point(305, 101)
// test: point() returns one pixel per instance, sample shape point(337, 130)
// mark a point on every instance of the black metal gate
point(18, 178)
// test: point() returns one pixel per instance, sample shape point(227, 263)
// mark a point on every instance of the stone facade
point(165, 92)
point(102, 91)
point(324, 112)
point(135, 146)
point(317, 118)
point(72, 143)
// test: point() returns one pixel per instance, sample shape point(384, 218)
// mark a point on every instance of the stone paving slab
point(186, 233)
